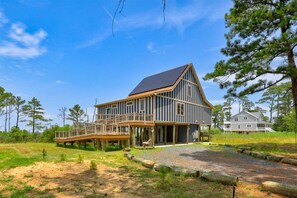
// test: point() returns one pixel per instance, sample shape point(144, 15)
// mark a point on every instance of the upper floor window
point(114, 106)
point(129, 103)
point(179, 108)
point(142, 105)
point(189, 90)
point(236, 119)
point(245, 118)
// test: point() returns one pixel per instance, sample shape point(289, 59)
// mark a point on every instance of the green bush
point(62, 157)
point(93, 165)
point(215, 131)
point(80, 159)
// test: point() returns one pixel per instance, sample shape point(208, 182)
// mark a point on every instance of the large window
point(129, 103)
point(189, 90)
point(141, 105)
point(179, 108)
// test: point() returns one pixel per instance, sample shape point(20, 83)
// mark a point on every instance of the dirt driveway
point(227, 161)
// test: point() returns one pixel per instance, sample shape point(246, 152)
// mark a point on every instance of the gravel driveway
point(245, 167)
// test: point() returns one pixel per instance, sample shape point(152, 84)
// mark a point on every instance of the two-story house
point(247, 122)
point(165, 108)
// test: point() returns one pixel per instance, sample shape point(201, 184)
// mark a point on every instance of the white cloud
point(59, 82)
point(3, 19)
point(21, 44)
point(177, 17)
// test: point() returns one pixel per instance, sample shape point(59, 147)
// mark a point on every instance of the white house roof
point(256, 114)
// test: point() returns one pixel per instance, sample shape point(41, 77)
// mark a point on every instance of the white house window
point(238, 126)
point(129, 103)
point(189, 90)
point(248, 125)
point(114, 106)
point(245, 118)
point(236, 119)
point(179, 108)
point(141, 105)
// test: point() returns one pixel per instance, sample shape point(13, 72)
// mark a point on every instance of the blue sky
point(63, 51)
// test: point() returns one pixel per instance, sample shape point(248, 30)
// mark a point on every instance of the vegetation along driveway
point(226, 161)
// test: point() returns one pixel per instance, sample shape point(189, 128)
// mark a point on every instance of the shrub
point(80, 159)
point(63, 157)
point(93, 165)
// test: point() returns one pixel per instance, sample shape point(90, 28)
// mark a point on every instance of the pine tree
point(260, 33)
point(76, 114)
point(35, 112)
point(19, 102)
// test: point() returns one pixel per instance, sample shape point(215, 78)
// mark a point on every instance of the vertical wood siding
point(165, 107)
point(123, 108)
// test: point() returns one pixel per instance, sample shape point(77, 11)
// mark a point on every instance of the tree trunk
point(6, 117)
point(292, 64)
point(17, 119)
point(33, 125)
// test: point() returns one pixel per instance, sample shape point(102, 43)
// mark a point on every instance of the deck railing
point(129, 117)
point(104, 125)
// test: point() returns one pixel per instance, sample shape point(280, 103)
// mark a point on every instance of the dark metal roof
point(157, 81)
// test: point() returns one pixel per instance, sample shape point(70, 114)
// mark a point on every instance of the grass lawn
point(72, 172)
point(280, 143)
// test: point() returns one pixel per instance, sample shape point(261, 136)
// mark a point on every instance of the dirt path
point(245, 167)
point(71, 179)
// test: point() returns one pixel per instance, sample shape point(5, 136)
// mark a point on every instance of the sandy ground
point(70, 179)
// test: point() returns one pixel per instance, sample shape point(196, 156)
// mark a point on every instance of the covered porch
point(169, 133)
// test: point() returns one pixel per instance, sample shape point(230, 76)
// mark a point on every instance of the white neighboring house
point(247, 122)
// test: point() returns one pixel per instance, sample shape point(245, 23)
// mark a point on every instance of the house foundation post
point(188, 132)
point(165, 134)
point(103, 145)
point(133, 137)
point(199, 133)
point(173, 135)
point(152, 136)
point(98, 144)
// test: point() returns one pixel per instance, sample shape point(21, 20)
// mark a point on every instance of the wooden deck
point(106, 128)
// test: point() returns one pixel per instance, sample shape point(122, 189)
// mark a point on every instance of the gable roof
point(158, 81)
point(176, 75)
point(256, 114)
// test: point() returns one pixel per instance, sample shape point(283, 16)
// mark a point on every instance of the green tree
point(290, 121)
point(8, 101)
point(260, 32)
point(245, 104)
point(35, 112)
point(227, 107)
point(217, 115)
point(19, 102)
point(76, 114)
